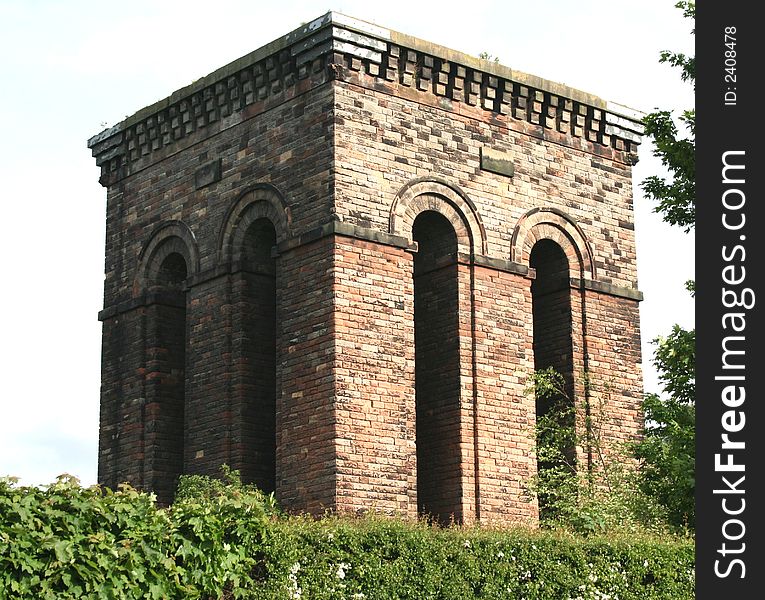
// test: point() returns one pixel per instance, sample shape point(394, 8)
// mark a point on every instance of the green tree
point(667, 450)
point(676, 198)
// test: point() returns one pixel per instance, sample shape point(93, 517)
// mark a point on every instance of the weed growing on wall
point(603, 495)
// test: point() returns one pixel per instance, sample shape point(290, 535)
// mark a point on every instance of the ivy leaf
point(63, 550)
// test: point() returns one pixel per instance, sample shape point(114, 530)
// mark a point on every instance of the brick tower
point(334, 263)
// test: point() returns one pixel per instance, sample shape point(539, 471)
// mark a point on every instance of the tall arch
point(253, 226)
point(437, 367)
point(553, 349)
point(254, 351)
point(166, 262)
point(556, 250)
point(446, 228)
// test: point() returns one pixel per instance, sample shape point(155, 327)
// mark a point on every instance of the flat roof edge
point(304, 31)
point(629, 118)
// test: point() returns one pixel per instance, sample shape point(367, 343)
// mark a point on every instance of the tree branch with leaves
point(675, 198)
point(667, 450)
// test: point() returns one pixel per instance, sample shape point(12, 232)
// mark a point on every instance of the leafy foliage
point(604, 496)
point(675, 359)
point(227, 485)
point(556, 484)
point(65, 541)
point(381, 559)
point(668, 448)
point(676, 198)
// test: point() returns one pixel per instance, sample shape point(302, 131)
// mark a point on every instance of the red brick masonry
point(319, 270)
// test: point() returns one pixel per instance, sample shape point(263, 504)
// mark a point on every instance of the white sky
point(71, 68)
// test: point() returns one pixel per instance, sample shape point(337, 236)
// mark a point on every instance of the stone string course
point(340, 135)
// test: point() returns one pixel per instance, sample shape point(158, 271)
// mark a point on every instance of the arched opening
point(166, 374)
point(437, 367)
point(172, 272)
point(553, 350)
point(255, 351)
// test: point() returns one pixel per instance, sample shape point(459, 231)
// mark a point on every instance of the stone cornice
point(336, 46)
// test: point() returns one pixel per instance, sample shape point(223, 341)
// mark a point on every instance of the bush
point(605, 496)
point(65, 541)
point(226, 541)
point(374, 558)
point(667, 450)
point(227, 485)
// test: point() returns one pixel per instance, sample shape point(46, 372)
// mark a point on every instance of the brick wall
point(505, 412)
point(222, 343)
point(306, 421)
point(374, 370)
point(390, 136)
point(347, 219)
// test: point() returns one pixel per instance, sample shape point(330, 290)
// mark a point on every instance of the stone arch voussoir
point(168, 238)
point(261, 201)
point(555, 225)
point(438, 195)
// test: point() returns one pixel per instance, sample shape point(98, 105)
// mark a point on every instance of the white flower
point(341, 569)
point(645, 563)
point(500, 554)
point(466, 543)
point(330, 536)
point(295, 591)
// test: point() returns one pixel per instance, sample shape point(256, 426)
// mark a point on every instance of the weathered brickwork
point(505, 415)
point(306, 419)
point(374, 369)
point(334, 263)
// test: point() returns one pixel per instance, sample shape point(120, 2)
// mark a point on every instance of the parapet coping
point(309, 33)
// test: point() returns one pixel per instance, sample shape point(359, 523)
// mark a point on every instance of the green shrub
point(223, 540)
point(601, 497)
point(381, 559)
point(64, 541)
point(667, 450)
point(227, 485)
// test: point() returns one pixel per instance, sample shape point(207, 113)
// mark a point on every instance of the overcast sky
point(71, 68)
